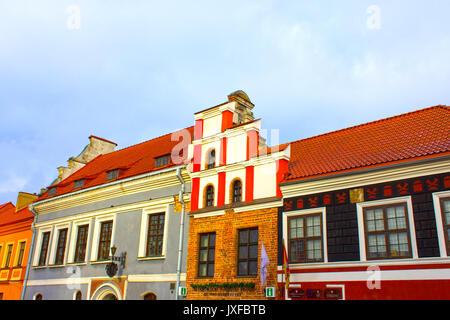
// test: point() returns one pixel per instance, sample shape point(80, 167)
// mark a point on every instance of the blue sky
point(133, 70)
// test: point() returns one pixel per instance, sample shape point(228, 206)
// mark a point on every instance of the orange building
point(15, 239)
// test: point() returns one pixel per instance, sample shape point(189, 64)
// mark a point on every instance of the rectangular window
point(445, 209)
point(105, 241)
point(155, 235)
point(8, 255)
point(21, 253)
point(61, 246)
point(80, 249)
point(305, 238)
point(387, 232)
point(44, 248)
point(248, 252)
point(162, 161)
point(206, 254)
point(113, 174)
point(78, 184)
point(52, 191)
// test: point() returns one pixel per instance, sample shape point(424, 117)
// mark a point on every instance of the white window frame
point(38, 246)
point(144, 231)
point(361, 231)
point(439, 223)
point(73, 240)
point(96, 235)
point(303, 212)
point(54, 243)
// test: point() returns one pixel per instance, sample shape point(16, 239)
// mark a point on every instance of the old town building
point(366, 211)
point(112, 229)
point(15, 242)
point(235, 199)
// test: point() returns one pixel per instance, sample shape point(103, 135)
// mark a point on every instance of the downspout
point(180, 244)
point(24, 287)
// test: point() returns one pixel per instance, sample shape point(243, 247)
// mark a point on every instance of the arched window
point(211, 161)
point(78, 295)
point(237, 191)
point(150, 296)
point(38, 296)
point(209, 196)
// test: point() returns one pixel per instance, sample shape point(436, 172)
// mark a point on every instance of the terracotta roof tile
point(419, 134)
point(131, 161)
point(9, 215)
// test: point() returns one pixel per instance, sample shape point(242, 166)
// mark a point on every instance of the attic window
point(78, 184)
point(112, 174)
point(162, 161)
point(52, 191)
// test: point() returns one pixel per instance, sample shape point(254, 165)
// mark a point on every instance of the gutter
point(180, 243)
point(145, 175)
point(24, 286)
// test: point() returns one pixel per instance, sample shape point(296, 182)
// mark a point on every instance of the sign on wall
point(270, 292)
point(182, 291)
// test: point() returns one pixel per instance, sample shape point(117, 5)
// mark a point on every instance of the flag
point(264, 265)
point(285, 266)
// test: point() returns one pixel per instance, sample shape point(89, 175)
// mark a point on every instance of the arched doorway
point(150, 296)
point(110, 296)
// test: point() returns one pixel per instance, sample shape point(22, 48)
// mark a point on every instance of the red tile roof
point(132, 161)
point(8, 214)
point(411, 136)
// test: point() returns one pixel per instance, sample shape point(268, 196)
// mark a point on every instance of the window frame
point(96, 236)
point(47, 246)
point(77, 242)
point(20, 254)
point(208, 262)
point(101, 242)
point(232, 191)
point(78, 184)
point(60, 250)
point(248, 244)
point(361, 226)
point(157, 234)
point(306, 238)
point(7, 258)
point(159, 161)
point(146, 212)
point(303, 212)
point(210, 162)
point(387, 232)
point(444, 245)
point(112, 174)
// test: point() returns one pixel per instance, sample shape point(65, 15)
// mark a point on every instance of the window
point(305, 238)
point(211, 163)
point(248, 252)
point(445, 210)
point(80, 249)
point(237, 191)
point(21, 253)
point(79, 183)
point(61, 246)
point(44, 248)
point(162, 161)
point(209, 196)
point(52, 191)
point(105, 241)
point(206, 254)
point(8, 255)
point(387, 232)
point(1, 295)
point(155, 235)
point(78, 295)
point(149, 296)
point(112, 174)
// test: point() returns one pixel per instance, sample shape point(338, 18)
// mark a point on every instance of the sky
point(130, 71)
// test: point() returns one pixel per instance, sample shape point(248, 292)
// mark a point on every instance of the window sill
point(151, 258)
point(56, 266)
point(76, 263)
point(101, 262)
point(40, 267)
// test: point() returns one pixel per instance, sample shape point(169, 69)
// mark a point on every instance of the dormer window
point(211, 161)
point(112, 174)
point(78, 184)
point(162, 161)
point(52, 191)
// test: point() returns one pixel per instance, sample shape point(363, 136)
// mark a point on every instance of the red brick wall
point(226, 228)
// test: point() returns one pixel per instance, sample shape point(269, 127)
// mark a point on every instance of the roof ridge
point(372, 122)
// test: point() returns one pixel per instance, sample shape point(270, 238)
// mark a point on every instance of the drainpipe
point(180, 244)
point(24, 287)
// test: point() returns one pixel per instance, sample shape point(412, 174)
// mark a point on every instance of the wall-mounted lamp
point(111, 268)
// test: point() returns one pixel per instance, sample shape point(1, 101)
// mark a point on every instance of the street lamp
point(111, 268)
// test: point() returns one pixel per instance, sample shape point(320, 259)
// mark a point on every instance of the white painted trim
point(321, 210)
point(439, 223)
point(357, 179)
point(52, 250)
point(96, 234)
point(73, 240)
point(209, 214)
point(167, 277)
point(361, 232)
point(38, 247)
point(266, 205)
